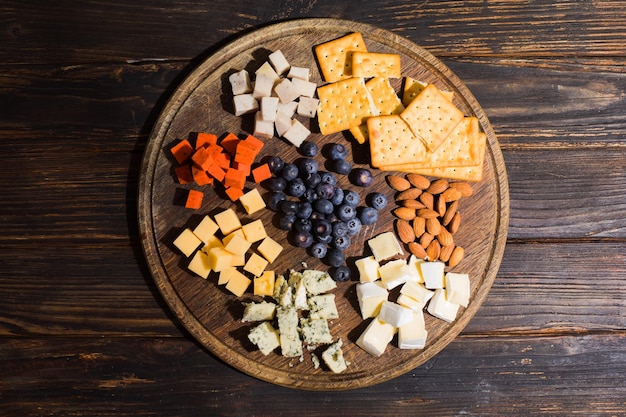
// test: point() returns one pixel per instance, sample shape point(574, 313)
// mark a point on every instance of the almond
point(427, 199)
point(405, 231)
point(433, 226)
point(418, 181)
point(414, 204)
point(404, 213)
point(446, 251)
point(438, 186)
point(463, 187)
point(441, 205)
point(456, 256)
point(451, 194)
point(419, 226)
point(425, 239)
point(417, 250)
point(445, 238)
point(433, 250)
point(450, 212)
point(410, 194)
point(454, 224)
point(398, 183)
point(427, 213)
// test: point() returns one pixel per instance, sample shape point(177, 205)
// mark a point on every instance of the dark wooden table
point(83, 330)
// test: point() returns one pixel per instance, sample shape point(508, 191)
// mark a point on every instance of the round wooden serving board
point(212, 315)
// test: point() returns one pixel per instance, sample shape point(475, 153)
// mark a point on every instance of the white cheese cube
point(416, 273)
point(394, 273)
point(263, 86)
point(413, 334)
point(315, 331)
point(384, 246)
point(286, 91)
point(244, 104)
point(376, 337)
point(269, 107)
point(368, 269)
point(297, 133)
point(263, 128)
point(279, 62)
point(371, 295)
point(287, 318)
point(323, 306)
point(290, 345)
point(302, 73)
point(287, 109)
point(262, 311)
point(406, 301)
point(240, 82)
point(416, 292)
point(433, 274)
point(333, 357)
point(282, 123)
point(395, 314)
point(317, 282)
point(441, 308)
point(457, 288)
point(304, 88)
point(266, 70)
point(307, 107)
point(265, 337)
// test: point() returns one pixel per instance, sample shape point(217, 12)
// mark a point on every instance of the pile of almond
point(428, 216)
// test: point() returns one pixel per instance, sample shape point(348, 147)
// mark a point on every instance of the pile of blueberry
point(318, 214)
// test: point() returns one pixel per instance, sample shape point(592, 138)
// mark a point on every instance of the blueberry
point(307, 166)
point(324, 190)
point(274, 200)
point(334, 257)
point(337, 151)
point(361, 177)
point(367, 215)
point(288, 207)
point(275, 164)
point(346, 212)
point(324, 206)
point(322, 227)
point(351, 197)
point(289, 172)
point(332, 218)
point(354, 226)
point(377, 200)
point(312, 180)
point(309, 195)
point(337, 198)
point(275, 184)
point(308, 148)
point(341, 242)
point(340, 273)
point(318, 250)
point(340, 166)
point(316, 215)
point(328, 178)
point(304, 210)
point(286, 221)
point(340, 229)
point(302, 239)
point(302, 225)
point(296, 187)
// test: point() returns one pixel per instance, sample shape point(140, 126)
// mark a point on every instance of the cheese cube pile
point(222, 245)
point(422, 285)
point(278, 92)
point(285, 328)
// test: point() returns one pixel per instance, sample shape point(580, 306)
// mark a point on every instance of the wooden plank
point(145, 376)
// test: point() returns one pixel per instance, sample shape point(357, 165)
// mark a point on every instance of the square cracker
point(343, 104)
point(392, 142)
point(431, 116)
point(413, 87)
point(335, 57)
point(372, 64)
point(385, 100)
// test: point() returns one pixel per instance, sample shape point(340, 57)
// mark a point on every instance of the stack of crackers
point(423, 133)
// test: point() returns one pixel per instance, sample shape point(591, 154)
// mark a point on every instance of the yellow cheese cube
point(238, 260)
point(264, 285)
point(252, 201)
point(238, 283)
point(219, 259)
point(187, 242)
point(270, 249)
point(235, 244)
point(231, 235)
point(225, 274)
point(206, 229)
point(254, 231)
point(200, 264)
point(227, 221)
point(255, 265)
point(212, 242)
